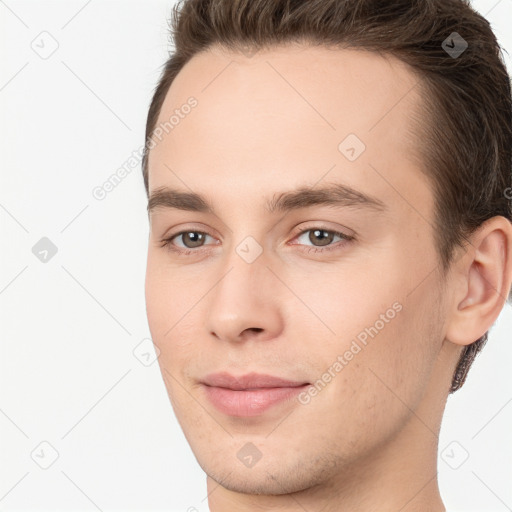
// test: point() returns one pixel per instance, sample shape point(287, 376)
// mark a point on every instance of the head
point(350, 119)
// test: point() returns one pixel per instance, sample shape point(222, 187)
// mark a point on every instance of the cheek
point(158, 302)
point(399, 360)
point(373, 396)
point(172, 307)
point(165, 296)
point(346, 305)
point(388, 342)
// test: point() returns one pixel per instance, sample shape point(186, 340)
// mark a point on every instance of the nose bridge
point(244, 273)
point(243, 255)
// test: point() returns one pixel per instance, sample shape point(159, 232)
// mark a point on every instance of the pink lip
point(248, 395)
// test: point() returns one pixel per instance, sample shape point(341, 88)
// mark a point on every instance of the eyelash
point(167, 242)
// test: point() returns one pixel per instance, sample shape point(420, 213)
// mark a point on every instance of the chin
point(258, 482)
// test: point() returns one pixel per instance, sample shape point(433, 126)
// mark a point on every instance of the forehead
point(285, 116)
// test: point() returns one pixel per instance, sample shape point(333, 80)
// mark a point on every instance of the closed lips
point(249, 381)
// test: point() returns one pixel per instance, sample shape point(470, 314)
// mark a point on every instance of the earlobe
point(486, 272)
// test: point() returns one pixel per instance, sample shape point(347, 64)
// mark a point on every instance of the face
point(310, 258)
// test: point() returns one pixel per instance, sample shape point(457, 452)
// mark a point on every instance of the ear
point(482, 282)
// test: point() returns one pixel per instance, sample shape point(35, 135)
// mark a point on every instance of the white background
point(69, 376)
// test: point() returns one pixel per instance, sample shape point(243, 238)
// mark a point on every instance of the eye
point(191, 240)
point(322, 239)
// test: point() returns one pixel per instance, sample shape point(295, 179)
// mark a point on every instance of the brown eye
point(192, 239)
point(319, 239)
point(323, 236)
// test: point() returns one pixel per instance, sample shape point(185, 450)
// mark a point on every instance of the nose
point(245, 303)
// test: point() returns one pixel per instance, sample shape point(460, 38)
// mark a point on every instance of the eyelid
point(194, 228)
point(312, 225)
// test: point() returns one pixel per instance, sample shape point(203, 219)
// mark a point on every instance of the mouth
point(251, 394)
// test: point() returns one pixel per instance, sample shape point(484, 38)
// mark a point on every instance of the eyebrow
point(335, 194)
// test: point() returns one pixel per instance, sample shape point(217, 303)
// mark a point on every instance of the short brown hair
point(467, 134)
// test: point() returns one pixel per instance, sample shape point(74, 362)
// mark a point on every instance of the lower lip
point(249, 402)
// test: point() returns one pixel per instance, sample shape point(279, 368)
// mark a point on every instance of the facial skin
point(268, 124)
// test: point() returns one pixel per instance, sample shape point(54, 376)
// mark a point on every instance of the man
point(331, 241)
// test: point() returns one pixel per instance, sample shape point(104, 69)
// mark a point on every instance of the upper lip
point(249, 381)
